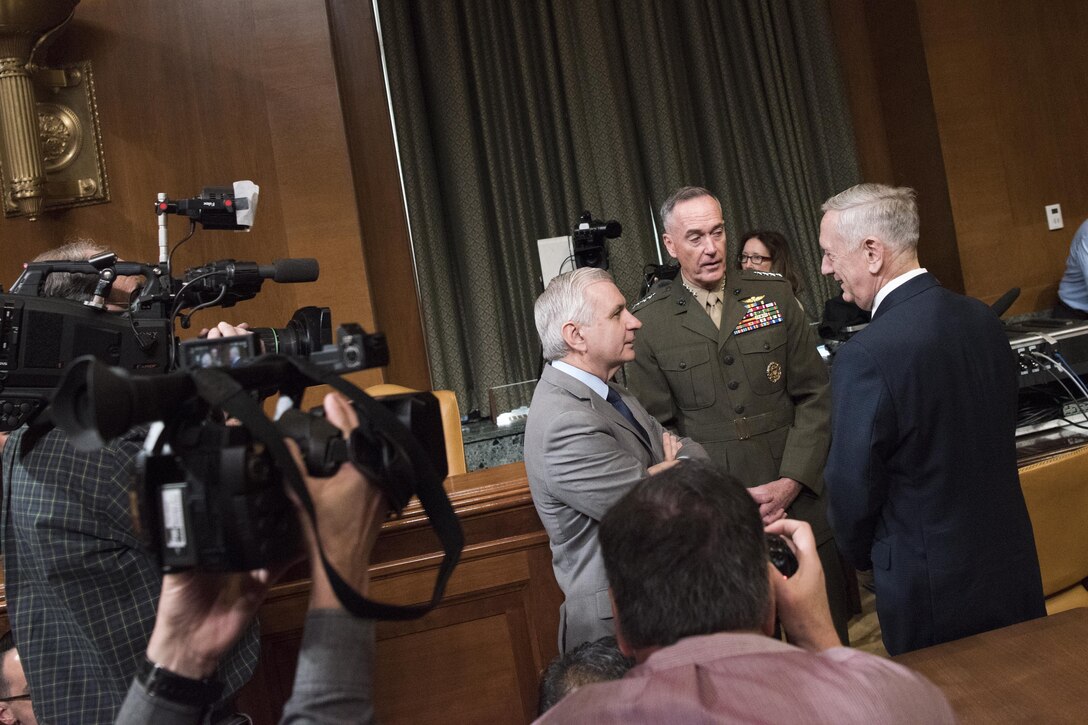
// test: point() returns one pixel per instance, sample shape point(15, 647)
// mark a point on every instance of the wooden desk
point(1029, 672)
point(477, 657)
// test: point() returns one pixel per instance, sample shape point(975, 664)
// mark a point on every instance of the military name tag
point(758, 313)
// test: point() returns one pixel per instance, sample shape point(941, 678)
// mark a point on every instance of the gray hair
point(71, 285)
point(684, 193)
point(564, 301)
point(889, 213)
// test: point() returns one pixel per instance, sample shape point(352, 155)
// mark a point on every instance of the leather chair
point(1056, 492)
point(451, 422)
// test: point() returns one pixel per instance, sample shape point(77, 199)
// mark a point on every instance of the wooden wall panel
point(204, 93)
point(983, 106)
point(1010, 88)
point(386, 241)
point(884, 68)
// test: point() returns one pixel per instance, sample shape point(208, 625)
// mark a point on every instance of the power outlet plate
point(1054, 217)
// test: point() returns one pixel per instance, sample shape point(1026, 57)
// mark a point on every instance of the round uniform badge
point(774, 372)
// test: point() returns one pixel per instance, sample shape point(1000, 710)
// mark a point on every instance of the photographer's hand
point(350, 511)
point(801, 599)
point(201, 615)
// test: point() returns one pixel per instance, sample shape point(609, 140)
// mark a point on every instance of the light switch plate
point(1054, 217)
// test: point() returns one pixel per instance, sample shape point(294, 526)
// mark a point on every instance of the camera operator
point(81, 586)
point(202, 614)
point(80, 287)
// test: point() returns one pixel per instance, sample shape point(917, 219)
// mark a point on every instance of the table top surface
point(1035, 671)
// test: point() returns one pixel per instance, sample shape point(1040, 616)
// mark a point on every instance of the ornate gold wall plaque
point(70, 142)
point(50, 146)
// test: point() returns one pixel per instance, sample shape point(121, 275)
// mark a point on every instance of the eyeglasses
point(13, 698)
point(753, 258)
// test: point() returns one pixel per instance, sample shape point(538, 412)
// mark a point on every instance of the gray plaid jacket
point(81, 587)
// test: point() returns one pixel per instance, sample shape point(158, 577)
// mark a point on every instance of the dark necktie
point(617, 403)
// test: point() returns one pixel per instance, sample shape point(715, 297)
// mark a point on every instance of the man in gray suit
point(587, 441)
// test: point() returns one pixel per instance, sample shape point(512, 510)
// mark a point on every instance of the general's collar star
point(704, 296)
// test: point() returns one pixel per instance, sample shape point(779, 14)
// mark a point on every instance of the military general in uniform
point(732, 364)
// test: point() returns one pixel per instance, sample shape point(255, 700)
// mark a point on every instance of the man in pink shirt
point(695, 597)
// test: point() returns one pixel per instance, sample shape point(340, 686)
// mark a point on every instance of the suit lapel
point(602, 407)
point(690, 316)
point(640, 415)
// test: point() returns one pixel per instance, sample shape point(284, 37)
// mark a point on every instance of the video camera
point(57, 310)
point(588, 240)
point(212, 495)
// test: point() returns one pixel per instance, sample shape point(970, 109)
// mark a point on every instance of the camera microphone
point(229, 281)
point(293, 269)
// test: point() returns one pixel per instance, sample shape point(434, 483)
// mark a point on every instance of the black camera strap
point(222, 391)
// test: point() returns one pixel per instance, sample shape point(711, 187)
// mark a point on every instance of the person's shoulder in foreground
point(734, 677)
point(696, 599)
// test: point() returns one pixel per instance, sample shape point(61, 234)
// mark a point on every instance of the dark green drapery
point(514, 116)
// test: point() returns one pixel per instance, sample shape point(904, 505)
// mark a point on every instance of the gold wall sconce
point(50, 143)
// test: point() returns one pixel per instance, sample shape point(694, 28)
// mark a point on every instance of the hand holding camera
point(801, 599)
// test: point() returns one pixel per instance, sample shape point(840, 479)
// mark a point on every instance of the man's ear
point(873, 249)
point(7, 717)
point(669, 246)
point(772, 607)
point(572, 335)
point(621, 641)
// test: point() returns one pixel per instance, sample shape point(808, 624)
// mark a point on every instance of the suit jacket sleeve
point(586, 466)
point(865, 426)
point(805, 452)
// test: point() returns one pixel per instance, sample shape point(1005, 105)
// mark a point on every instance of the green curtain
point(514, 116)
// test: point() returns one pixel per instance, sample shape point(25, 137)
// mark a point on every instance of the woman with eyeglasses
point(768, 251)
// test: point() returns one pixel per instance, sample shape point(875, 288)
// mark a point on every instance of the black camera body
point(39, 336)
point(589, 240)
point(216, 503)
point(781, 555)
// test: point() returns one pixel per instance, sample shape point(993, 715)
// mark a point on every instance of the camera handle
point(164, 244)
point(222, 391)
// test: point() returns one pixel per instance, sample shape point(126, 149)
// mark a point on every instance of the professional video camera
point(588, 239)
point(40, 335)
point(212, 495)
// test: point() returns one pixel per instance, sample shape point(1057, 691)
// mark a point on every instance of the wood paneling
point(982, 105)
point(204, 93)
point(884, 68)
point(373, 157)
point(480, 651)
point(1010, 88)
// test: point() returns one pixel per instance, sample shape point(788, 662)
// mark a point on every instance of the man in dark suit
point(731, 361)
point(922, 470)
point(587, 441)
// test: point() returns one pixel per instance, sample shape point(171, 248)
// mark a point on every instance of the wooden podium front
point(478, 655)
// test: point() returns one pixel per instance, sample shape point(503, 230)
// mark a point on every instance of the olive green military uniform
point(755, 393)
